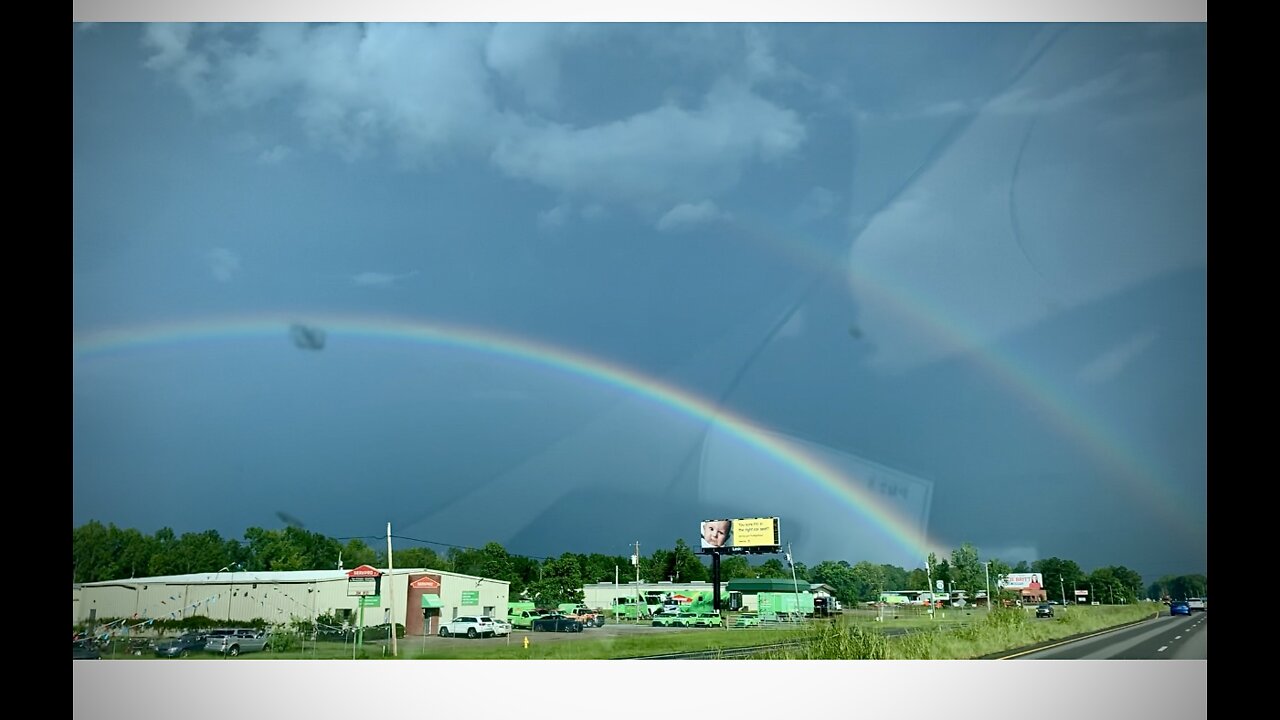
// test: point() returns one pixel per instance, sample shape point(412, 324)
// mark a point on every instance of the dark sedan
point(556, 623)
point(84, 650)
point(1179, 607)
point(181, 646)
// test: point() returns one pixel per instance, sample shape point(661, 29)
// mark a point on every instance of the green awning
point(432, 601)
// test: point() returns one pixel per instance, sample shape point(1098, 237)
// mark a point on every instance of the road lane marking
point(1163, 648)
point(1177, 637)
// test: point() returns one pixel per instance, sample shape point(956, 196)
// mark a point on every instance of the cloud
point(687, 215)
point(553, 218)
point(430, 91)
point(819, 203)
point(527, 57)
point(661, 154)
point(274, 155)
point(377, 279)
point(1011, 554)
point(1111, 363)
point(223, 263)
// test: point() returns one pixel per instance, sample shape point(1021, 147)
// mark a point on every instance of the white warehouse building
point(418, 598)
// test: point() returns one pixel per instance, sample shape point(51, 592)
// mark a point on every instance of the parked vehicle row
point(683, 618)
point(556, 622)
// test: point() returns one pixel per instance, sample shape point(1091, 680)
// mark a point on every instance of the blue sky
point(966, 258)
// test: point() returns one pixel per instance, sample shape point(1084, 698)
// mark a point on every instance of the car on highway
point(181, 646)
point(472, 626)
point(1044, 610)
point(1179, 607)
point(556, 623)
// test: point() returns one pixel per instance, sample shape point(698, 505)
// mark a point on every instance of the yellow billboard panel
point(755, 532)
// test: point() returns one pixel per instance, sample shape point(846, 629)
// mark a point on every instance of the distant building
point(419, 598)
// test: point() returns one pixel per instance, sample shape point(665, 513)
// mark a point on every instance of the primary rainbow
point(854, 494)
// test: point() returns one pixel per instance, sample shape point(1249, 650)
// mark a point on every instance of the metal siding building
point(601, 595)
point(278, 597)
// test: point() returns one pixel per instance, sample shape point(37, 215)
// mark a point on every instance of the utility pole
point(795, 586)
point(986, 572)
point(1063, 589)
point(391, 596)
point(636, 559)
point(928, 573)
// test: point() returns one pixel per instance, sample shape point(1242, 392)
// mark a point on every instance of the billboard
point(879, 510)
point(1020, 581)
point(758, 534)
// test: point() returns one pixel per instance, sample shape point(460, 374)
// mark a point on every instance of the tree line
point(105, 552)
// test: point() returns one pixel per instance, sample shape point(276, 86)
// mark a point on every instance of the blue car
point(1179, 607)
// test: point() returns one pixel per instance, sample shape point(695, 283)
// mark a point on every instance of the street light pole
point(1063, 589)
point(391, 597)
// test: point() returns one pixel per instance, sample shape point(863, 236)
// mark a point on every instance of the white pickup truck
point(239, 640)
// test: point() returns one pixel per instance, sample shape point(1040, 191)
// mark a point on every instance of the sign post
point(364, 583)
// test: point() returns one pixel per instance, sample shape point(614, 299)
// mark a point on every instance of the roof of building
point(267, 576)
point(766, 585)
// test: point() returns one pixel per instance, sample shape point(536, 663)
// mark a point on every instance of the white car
point(501, 627)
point(472, 626)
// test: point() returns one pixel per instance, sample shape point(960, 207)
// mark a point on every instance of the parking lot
point(517, 636)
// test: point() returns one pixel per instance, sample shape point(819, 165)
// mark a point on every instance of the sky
point(571, 287)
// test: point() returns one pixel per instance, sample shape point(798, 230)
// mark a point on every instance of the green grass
point(1003, 630)
point(957, 635)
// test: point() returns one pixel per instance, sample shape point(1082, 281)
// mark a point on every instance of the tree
point(686, 566)
point(772, 568)
point(868, 580)
point(291, 548)
point(917, 579)
point(419, 557)
point(839, 576)
point(1060, 576)
point(895, 578)
point(561, 582)
point(356, 553)
point(735, 566)
point(966, 571)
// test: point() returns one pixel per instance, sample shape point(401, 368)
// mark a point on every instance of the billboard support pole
point(715, 579)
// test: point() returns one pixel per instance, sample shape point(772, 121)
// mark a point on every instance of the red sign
point(365, 571)
point(425, 582)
